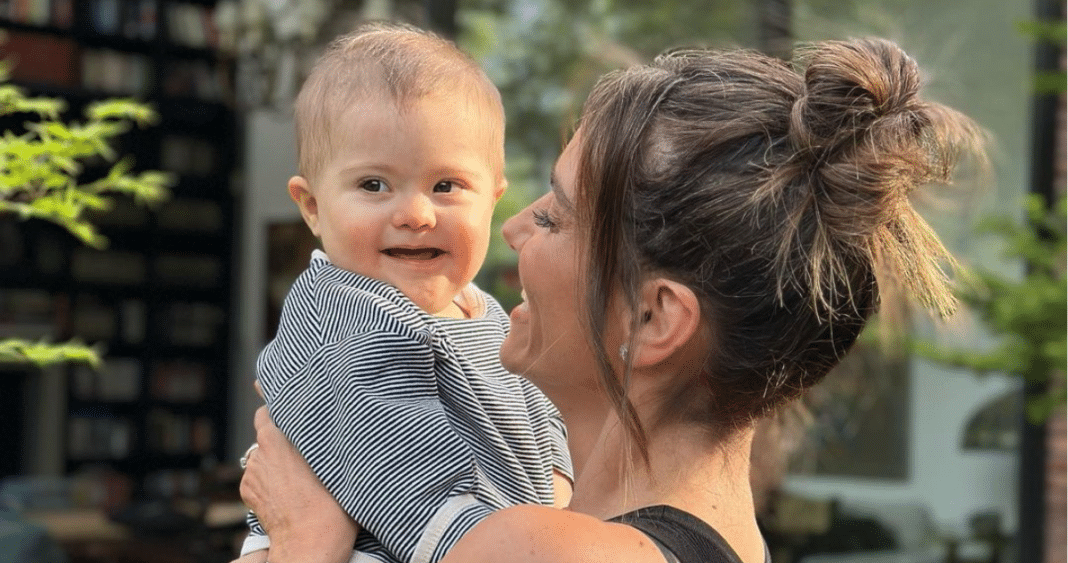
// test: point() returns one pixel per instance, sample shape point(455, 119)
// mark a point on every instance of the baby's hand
point(562, 488)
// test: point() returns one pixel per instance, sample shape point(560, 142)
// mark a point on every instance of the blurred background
point(945, 445)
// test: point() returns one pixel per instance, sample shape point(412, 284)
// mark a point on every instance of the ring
point(248, 452)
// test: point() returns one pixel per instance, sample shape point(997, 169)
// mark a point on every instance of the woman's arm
point(540, 534)
point(304, 521)
point(307, 525)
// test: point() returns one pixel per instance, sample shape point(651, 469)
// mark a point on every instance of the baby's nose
point(415, 213)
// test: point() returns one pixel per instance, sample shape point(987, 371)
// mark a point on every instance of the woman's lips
point(522, 309)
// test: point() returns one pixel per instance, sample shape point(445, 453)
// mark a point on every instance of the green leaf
point(122, 109)
point(39, 179)
point(1025, 314)
point(66, 164)
point(1049, 82)
point(55, 206)
point(87, 234)
point(1040, 408)
point(44, 354)
point(102, 129)
point(1048, 31)
point(46, 108)
point(10, 98)
point(147, 188)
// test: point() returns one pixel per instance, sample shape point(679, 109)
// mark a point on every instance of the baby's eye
point(373, 185)
point(445, 186)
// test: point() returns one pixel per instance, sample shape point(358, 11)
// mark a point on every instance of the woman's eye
point(373, 186)
point(544, 220)
point(445, 186)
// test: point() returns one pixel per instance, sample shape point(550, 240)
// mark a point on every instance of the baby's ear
point(300, 191)
point(501, 188)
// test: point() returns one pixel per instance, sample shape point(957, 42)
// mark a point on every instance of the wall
point(951, 483)
point(270, 159)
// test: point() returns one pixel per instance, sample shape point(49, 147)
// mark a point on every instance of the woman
point(717, 235)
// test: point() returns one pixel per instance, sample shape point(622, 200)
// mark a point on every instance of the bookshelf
point(158, 298)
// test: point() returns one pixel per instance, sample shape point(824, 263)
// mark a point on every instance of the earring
point(623, 352)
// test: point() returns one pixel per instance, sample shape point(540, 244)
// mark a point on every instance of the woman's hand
point(299, 514)
point(259, 556)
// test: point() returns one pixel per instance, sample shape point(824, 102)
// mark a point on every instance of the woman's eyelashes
point(544, 220)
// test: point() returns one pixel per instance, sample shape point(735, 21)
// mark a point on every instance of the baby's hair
point(778, 193)
point(379, 61)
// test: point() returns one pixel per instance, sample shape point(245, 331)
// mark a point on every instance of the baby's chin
point(449, 310)
point(439, 305)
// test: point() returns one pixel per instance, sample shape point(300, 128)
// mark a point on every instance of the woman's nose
point(415, 213)
point(517, 228)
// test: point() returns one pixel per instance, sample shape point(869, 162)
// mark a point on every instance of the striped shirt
point(408, 419)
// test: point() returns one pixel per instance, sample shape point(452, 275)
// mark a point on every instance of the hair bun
point(849, 85)
point(864, 140)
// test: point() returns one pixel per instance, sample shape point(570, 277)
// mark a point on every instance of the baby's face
point(407, 196)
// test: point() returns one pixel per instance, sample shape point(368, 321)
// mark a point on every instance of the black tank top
point(681, 536)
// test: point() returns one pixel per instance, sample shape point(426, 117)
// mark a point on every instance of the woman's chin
point(516, 354)
point(511, 358)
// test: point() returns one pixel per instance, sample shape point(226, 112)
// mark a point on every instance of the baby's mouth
point(414, 253)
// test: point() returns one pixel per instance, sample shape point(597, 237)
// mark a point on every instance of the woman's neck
point(584, 415)
point(688, 470)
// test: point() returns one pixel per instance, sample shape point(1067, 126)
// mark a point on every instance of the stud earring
point(623, 352)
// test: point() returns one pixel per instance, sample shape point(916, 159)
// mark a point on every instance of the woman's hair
point(380, 61)
point(779, 193)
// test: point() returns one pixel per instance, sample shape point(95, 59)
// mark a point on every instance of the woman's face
point(547, 343)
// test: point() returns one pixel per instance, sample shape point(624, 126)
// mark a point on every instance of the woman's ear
point(669, 318)
point(300, 191)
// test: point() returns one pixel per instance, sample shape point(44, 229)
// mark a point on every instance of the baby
point(384, 372)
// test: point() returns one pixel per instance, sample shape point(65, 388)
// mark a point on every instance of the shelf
point(75, 95)
point(158, 298)
point(109, 291)
point(196, 53)
point(19, 279)
point(115, 347)
point(146, 463)
point(191, 241)
point(13, 25)
point(86, 408)
point(194, 116)
point(120, 43)
point(163, 459)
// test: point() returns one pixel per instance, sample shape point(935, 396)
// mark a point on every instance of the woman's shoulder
point(540, 534)
point(684, 536)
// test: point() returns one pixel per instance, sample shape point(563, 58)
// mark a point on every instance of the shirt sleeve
point(561, 453)
point(256, 540)
point(556, 430)
point(257, 536)
point(364, 412)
